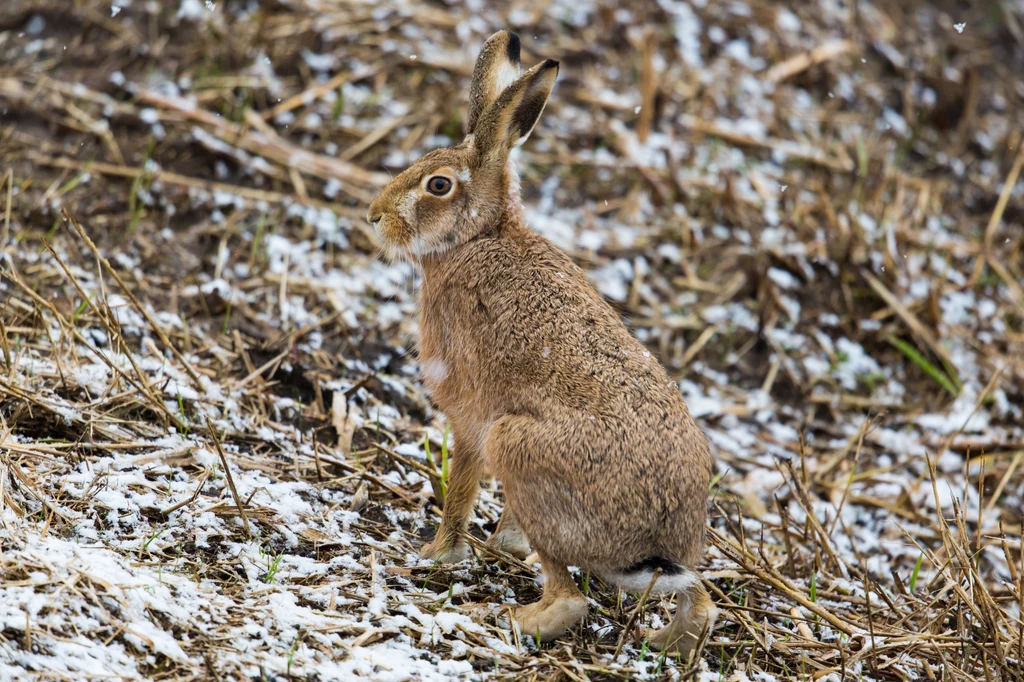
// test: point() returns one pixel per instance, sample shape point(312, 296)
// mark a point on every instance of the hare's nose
point(375, 212)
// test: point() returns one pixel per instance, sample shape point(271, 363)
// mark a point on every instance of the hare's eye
point(439, 185)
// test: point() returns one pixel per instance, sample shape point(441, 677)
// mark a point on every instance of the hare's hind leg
point(509, 536)
point(516, 447)
point(695, 615)
point(560, 607)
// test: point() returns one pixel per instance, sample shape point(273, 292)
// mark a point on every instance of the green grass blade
point(921, 361)
point(73, 183)
point(80, 309)
point(444, 461)
point(917, 569)
point(426, 449)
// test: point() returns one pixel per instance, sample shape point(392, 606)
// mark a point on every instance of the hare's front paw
point(549, 618)
point(511, 541)
point(509, 536)
point(446, 551)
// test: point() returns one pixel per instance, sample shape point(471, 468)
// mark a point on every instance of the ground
point(212, 430)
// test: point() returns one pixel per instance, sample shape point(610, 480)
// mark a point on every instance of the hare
point(545, 388)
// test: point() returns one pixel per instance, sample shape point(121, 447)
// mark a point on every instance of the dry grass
point(209, 423)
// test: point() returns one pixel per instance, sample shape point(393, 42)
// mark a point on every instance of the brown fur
point(602, 465)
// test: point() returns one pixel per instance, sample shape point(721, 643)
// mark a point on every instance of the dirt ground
point(212, 428)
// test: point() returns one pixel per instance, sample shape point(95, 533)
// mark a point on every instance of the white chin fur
point(666, 584)
point(420, 247)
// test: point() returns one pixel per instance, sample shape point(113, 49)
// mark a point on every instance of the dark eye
point(439, 185)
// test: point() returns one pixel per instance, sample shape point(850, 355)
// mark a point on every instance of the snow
point(129, 602)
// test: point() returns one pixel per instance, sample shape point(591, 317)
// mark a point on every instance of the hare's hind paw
point(549, 618)
point(675, 643)
point(560, 607)
point(446, 551)
point(695, 617)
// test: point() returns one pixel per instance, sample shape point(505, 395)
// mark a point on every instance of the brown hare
point(544, 386)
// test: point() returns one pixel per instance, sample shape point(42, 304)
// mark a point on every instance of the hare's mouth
point(392, 231)
point(395, 238)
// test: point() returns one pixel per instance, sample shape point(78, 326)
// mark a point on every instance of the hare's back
point(533, 315)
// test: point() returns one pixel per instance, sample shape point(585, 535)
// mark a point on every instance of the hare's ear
point(496, 68)
point(510, 120)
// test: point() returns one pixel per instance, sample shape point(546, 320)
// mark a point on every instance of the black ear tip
point(549, 64)
point(513, 48)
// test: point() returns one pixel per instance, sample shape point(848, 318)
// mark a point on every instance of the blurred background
point(809, 211)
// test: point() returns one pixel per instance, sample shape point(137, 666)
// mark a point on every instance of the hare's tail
point(673, 577)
